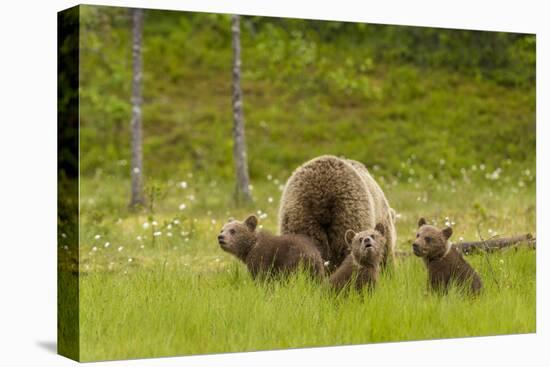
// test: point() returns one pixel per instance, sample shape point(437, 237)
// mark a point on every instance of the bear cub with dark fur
point(265, 254)
point(444, 262)
point(362, 266)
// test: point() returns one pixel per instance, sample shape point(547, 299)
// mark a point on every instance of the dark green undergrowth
point(378, 94)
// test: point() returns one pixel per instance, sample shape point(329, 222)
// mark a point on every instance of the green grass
point(170, 310)
point(183, 295)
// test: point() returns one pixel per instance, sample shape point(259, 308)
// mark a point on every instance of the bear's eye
point(232, 231)
point(428, 239)
point(417, 235)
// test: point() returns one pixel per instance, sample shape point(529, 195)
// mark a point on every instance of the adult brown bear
point(328, 195)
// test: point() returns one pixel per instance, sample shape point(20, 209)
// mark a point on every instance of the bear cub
point(362, 266)
point(267, 255)
point(444, 262)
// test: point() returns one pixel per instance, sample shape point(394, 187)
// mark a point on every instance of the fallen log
point(487, 245)
point(496, 243)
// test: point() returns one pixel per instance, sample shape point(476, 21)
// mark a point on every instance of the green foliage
point(357, 90)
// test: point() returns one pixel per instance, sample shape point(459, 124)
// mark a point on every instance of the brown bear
point(267, 255)
point(444, 262)
point(362, 266)
point(327, 196)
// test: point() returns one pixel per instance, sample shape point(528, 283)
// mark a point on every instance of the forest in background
point(437, 100)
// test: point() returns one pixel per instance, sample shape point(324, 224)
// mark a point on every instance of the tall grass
point(167, 310)
point(180, 294)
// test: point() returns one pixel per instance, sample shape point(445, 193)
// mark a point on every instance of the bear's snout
point(416, 249)
point(367, 242)
point(221, 239)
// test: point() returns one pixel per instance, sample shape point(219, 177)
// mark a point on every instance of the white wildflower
point(120, 248)
point(182, 206)
point(269, 177)
point(97, 237)
point(145, 225)
point(136, 169)
point(169, 234)
point(130, 259)
point(107, 244)
point(154, 223)
point(270, 199)
point(94, 248)
point(157, 233)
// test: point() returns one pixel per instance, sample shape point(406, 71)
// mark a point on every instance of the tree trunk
point(137, 155)
point(242, 191)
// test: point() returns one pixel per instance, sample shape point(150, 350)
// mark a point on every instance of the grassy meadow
point(443, 119)
point(158, 284)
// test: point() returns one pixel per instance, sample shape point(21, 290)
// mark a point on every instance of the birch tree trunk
point(137, 155)
point(239, 144)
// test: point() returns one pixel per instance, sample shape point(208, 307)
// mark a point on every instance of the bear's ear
point(251, 222)
point(380, 228)
point(231, 219)
point(421, 222)
point(348, 237)
point(447, 232)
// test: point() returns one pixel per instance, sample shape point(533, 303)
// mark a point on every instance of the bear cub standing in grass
point(265, 254)
point(444, 262)
point(362, 265)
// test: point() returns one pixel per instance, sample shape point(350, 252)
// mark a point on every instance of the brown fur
point(444, 262)
point(327, 196)
point(362, 266)
point(265, 254)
